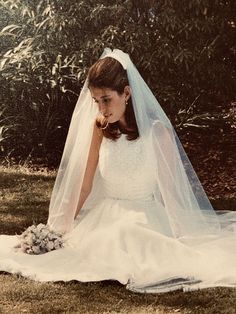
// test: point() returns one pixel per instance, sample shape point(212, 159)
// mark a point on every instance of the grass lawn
point(25, 199)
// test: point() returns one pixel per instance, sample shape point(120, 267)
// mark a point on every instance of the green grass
point(25, 199)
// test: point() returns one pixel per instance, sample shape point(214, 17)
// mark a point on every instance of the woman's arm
point(91, 167)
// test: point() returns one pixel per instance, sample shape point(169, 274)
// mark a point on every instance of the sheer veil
point(187, 210)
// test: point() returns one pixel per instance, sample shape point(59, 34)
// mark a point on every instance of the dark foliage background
point(186, 52)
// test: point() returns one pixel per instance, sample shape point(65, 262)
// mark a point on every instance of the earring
point(126, 102)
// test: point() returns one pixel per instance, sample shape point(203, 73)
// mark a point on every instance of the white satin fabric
point(187, 209)
point(126, 236)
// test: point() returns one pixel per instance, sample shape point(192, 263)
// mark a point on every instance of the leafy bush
point(185, 53)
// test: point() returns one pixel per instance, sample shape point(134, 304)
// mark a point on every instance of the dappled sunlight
point(24, 198)
point(186, 53)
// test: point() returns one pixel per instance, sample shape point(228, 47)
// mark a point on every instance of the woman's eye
point(106, 101)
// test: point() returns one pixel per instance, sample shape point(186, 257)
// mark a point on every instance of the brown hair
point(109, 73)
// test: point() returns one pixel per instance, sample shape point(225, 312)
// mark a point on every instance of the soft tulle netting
point(125, 236)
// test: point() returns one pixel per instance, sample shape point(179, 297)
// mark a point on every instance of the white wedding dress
point(124, 237)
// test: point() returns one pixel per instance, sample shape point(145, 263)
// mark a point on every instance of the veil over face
point(187, 210)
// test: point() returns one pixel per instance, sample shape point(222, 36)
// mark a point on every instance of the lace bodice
point(125, 169)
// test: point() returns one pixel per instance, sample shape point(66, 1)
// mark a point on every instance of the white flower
point(51, 236)
point(29, 251)
point(31, 228)
point(28, 240)
point(58, 243)
point(39, 239)
point(50, 246)
point(36, 249)
point(44, 232)
point(24, 247)
point(40, 226)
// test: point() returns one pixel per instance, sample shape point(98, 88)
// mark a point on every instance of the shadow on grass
point(25, 200)
point(108, 296)
point(7, 180)
point(224, 204)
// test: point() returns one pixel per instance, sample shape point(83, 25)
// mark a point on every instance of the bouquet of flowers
point(39, 239)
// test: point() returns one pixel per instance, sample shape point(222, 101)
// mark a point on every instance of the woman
point(127, 198)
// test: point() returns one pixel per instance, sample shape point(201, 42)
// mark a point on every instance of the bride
point(127, 199)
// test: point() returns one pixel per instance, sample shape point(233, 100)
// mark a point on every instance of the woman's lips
point(107, 115)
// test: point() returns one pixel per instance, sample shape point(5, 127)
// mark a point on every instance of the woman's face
point(111, 104)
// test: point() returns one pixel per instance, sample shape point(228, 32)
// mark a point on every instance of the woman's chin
point(111, 120)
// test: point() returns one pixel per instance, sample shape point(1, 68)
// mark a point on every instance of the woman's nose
point(102, 108)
